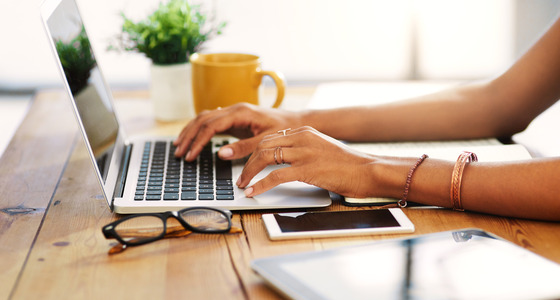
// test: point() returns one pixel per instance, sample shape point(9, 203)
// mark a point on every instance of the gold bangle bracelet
point(457, 177)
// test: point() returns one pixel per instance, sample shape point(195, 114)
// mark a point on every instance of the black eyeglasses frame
point(110, 233)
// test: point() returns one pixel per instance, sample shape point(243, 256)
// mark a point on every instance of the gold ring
point(276, 150)
point(281, 155)
point(283, 132)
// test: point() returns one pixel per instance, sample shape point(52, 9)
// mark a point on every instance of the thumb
point(239, 149)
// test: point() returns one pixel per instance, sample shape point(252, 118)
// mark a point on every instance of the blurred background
point(309, 41)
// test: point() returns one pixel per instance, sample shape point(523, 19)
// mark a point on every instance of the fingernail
point(238, 181)
point(177, 151)
point(225, 152)
point(249, 192)
point(187, 157)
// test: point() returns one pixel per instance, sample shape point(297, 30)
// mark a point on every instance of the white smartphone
point(336, 223)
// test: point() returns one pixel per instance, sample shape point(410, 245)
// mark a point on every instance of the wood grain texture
point(71, 246)
point(29, 172)
point(52, 212)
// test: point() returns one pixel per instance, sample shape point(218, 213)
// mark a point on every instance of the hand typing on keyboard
point(244, 121)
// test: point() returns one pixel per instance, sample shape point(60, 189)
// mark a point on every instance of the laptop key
point(224, 192)
point(223, 182)
point(224, 187)
point(224, 197)
point(170, 196)
point(188, 196)
point(223, 169)
point(206, 197)
point(153, 197)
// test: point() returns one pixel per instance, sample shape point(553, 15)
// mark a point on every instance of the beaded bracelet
point(457, 176)
point(402, 202)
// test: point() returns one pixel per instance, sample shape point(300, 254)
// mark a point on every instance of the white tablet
point(336, 223)
point(464, 264)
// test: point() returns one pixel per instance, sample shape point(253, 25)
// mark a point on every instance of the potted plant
point(168, 36)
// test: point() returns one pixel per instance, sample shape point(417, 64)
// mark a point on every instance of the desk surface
point(51, 214)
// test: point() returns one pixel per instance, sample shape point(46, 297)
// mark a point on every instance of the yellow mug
point(223, 79)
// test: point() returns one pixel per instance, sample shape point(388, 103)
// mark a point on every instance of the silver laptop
point(142, 174)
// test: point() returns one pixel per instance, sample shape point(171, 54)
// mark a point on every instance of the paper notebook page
point(486, 151)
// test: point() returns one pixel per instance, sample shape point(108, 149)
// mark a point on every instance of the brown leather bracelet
point(457, 177)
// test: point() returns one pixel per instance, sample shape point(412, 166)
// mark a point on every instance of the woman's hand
point(245, 121)
point(314, 158)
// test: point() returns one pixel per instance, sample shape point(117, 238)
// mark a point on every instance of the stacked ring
point(278, 153)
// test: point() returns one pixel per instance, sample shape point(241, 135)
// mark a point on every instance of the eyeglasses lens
point(139, 229)
point(205, 219)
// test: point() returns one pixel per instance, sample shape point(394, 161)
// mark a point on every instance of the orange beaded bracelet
point(457, 177)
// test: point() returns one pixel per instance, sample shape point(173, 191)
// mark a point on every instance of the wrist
point(429, 185)
point(389, 175)
point(312, 118)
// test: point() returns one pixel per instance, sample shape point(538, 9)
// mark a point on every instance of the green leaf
point(169, 35)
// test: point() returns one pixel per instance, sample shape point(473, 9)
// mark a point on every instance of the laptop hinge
point(121, 181)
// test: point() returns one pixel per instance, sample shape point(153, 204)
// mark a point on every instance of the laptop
point(141, 174)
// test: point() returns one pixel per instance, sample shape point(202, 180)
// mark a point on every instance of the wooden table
point(52, 211)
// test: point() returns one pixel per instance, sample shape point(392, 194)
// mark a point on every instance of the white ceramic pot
point(171, 91)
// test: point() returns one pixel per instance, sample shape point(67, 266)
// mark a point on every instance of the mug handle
point(280, 84)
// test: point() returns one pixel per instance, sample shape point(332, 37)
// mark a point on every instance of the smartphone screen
point(314, 221)
point(336, 223)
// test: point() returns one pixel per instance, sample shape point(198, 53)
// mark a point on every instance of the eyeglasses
point(140, 229)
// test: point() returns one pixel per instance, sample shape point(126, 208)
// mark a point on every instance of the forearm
point(525, 189)
point(459, 113)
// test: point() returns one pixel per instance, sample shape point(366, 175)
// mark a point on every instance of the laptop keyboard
point(164, 177)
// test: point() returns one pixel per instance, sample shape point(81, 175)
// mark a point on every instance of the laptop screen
point(90, 94)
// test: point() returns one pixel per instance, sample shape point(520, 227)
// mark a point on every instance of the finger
point(292, 138)
point(239, 149)
point(207, 130)
point(281, 133)
point(256, 163)
point(199, 119)
point(272, 180)
point(292, 131)
point(189, 132)
point(263, 158)
point(182, 141)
